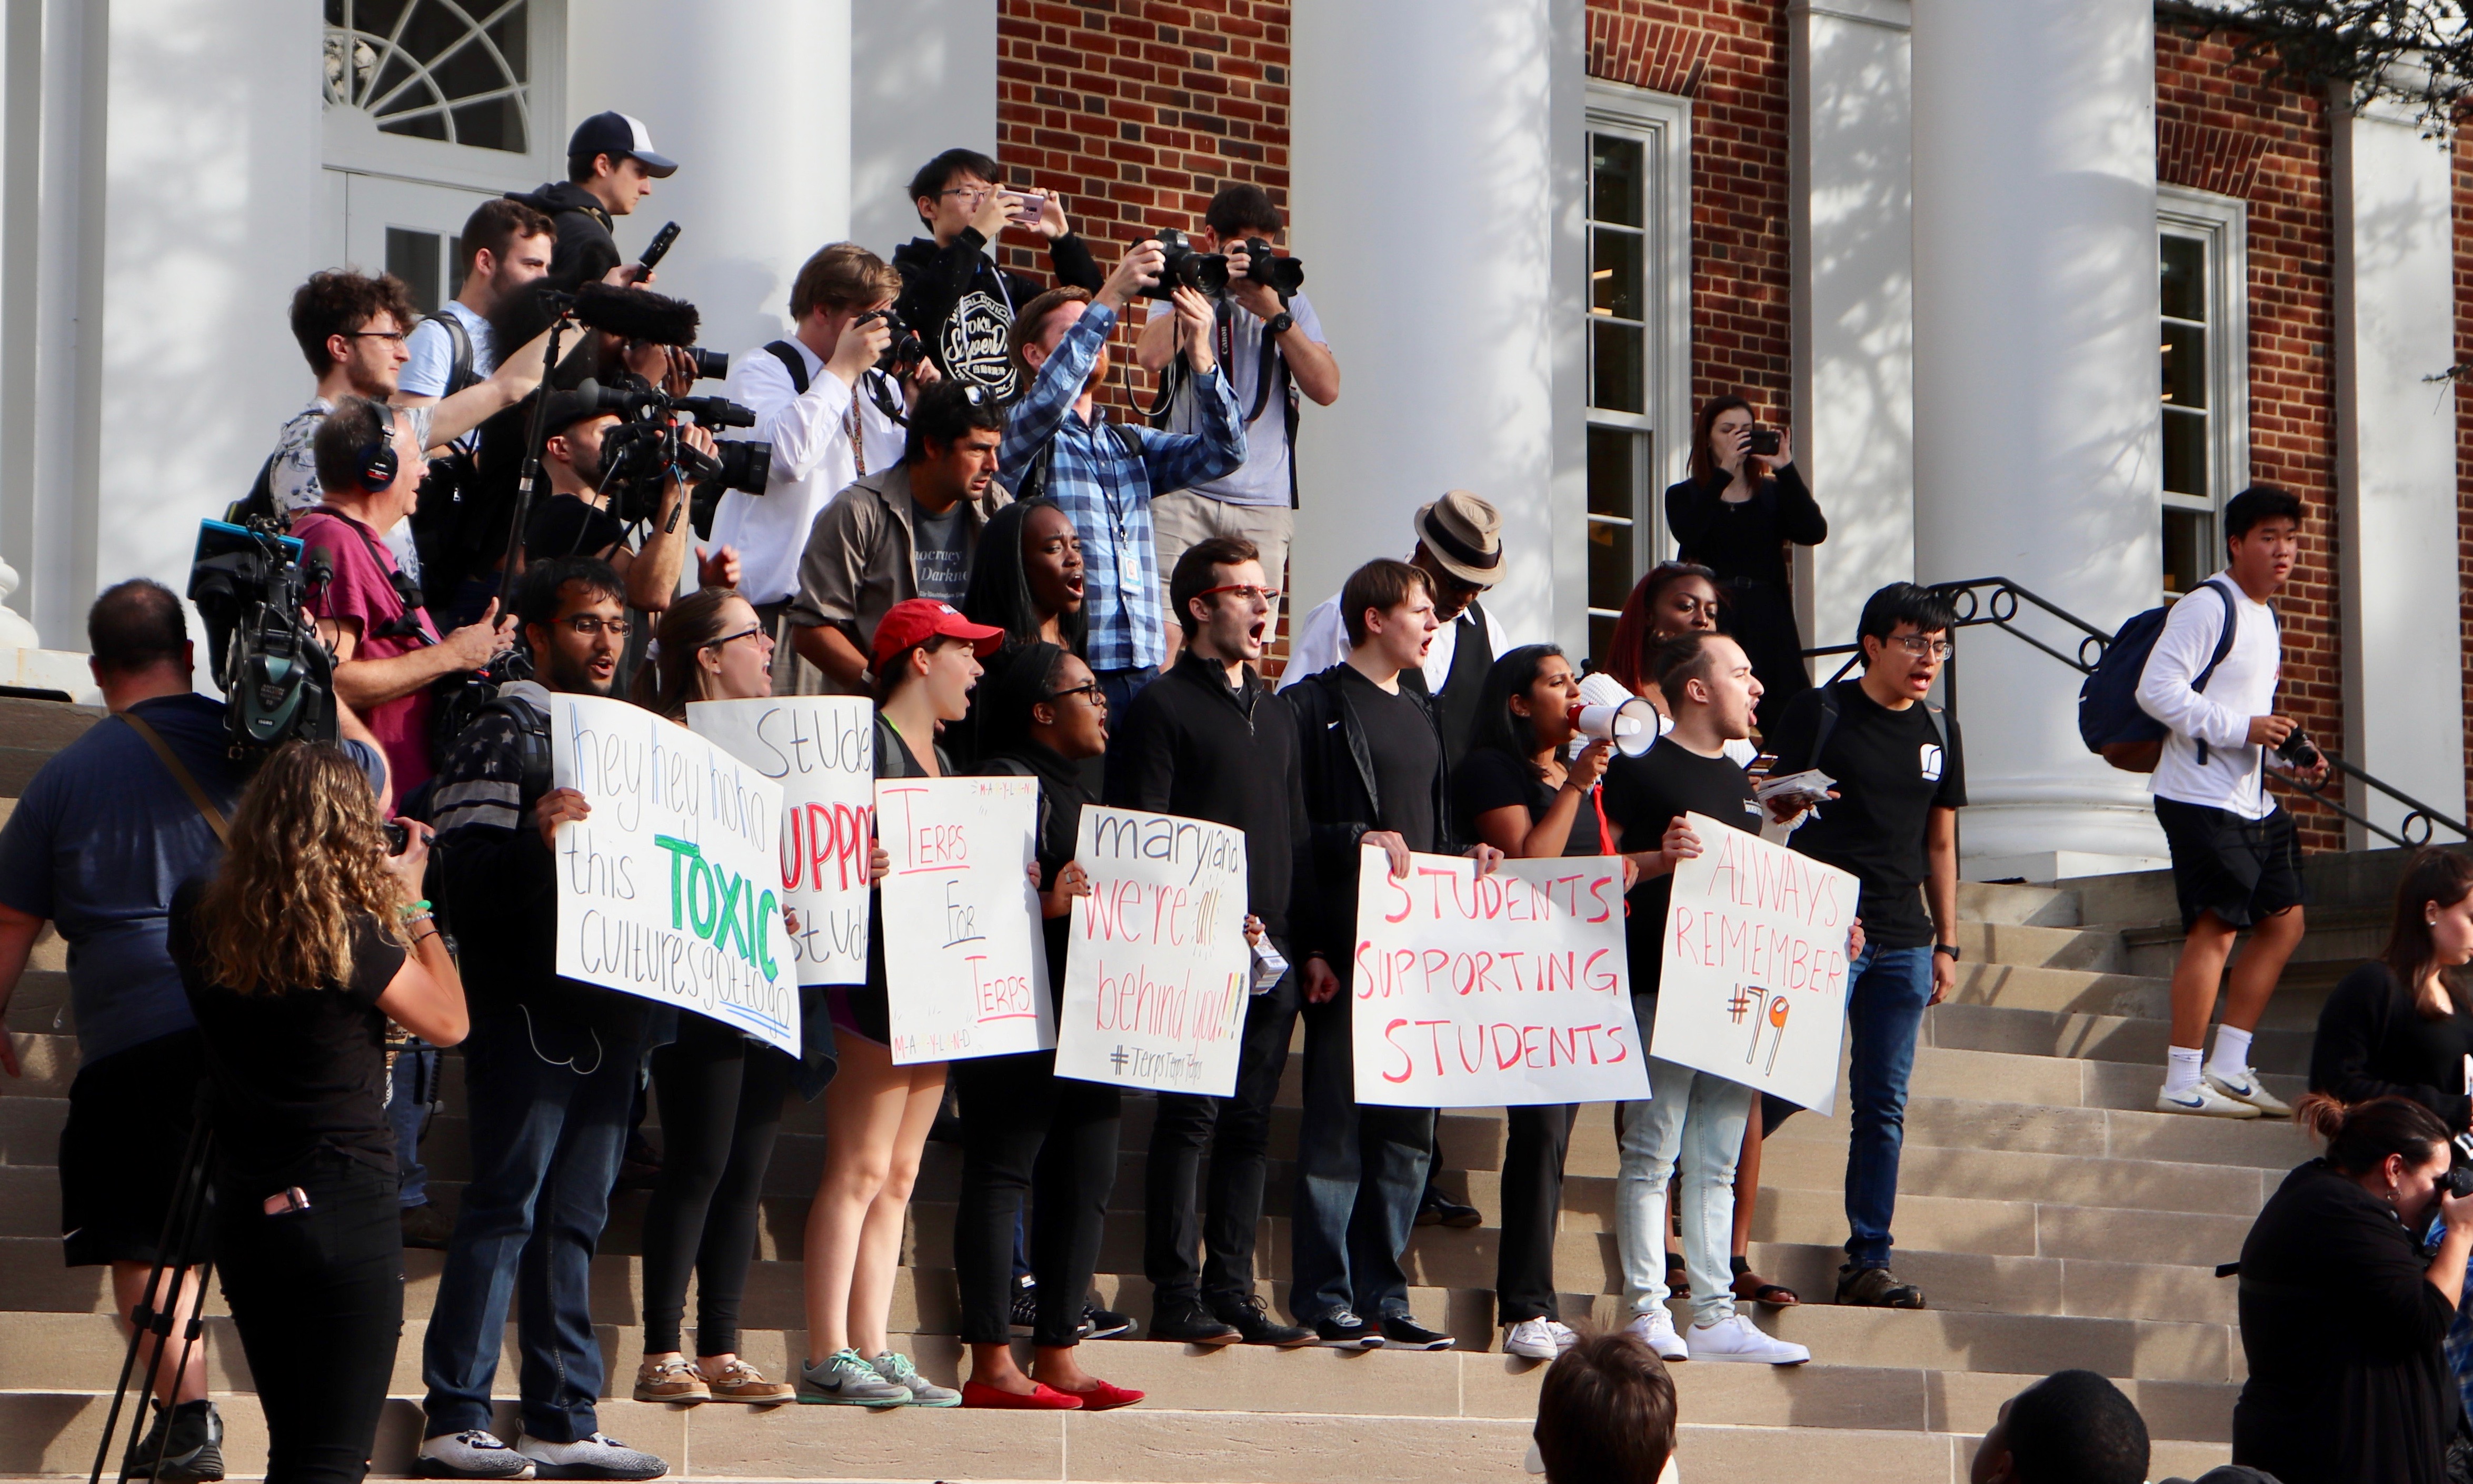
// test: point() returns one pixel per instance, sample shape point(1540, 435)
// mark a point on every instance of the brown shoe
point(740, 1381)
point(670, 1380)
point(1875, 1288)
point(428, 1226)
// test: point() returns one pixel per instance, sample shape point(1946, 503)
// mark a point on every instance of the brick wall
point(2227, 129)
point(2463, 173)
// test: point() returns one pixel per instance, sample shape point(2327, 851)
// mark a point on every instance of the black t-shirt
point(1893, 771)
point(298, 1070)
point(2374, 1041)
point(1407, 755)
point(1643, 794)
point(1491, 778)
point(566, 526)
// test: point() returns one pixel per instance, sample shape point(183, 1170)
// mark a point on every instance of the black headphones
point(378, 462)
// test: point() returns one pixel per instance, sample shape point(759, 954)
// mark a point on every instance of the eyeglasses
point(589, 624)
point(1089, 688)
point(973, 193)
point(1917, 644)
point(398, 335)
point(1246, 591)
point(727, 638)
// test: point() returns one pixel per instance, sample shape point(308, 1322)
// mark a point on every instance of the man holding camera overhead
point(829, 401)
point(1270, 341)
point(961, 304)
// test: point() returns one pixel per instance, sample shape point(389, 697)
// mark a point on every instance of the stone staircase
point(2053, 1220)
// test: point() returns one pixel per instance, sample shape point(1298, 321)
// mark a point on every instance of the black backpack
point(448, 526)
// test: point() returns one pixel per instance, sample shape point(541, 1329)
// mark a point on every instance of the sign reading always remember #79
point(1155, 971)
point(671, 888)
point(821, 751)
point(1752, 983)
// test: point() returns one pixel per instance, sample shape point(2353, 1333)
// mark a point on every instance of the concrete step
point(2097, 949)
point(2105, 1132)
point(2132, 1040)
point(1996, 901)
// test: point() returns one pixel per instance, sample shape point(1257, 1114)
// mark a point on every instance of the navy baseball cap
point(617, 134)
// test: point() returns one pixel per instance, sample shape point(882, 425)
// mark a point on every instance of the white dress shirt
point(1321, 641)
point(812, 462)
point(2232, 778)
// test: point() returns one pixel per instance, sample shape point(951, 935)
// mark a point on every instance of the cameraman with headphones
point(575, 520)
point(1271, 349)
point(387, 652)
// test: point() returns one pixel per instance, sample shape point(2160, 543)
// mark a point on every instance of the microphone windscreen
point(638, 314)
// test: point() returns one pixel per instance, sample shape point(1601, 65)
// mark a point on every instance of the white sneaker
point(1738, 1338)
point(1538, 1339)
point(593, 1456)
point(1656, 1330)
point(917, 1390)
point(2252, 1089)
point(2204, 1101)
point(472, 1454)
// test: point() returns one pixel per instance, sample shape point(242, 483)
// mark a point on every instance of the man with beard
point(506, 245)
point(549, 1069)
point(575, 520)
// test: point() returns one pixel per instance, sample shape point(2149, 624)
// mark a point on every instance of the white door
point(408, 228)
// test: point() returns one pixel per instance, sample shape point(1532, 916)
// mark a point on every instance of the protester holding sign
point(877, 1114)
point(1209, 741)
point(1025, 1131)
point(1520, 796)
point(1689, 1115)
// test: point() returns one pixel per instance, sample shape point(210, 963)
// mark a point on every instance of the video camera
point(638, 454)
point(250, 582)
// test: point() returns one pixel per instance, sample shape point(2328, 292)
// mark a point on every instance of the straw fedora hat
point(1464, 534)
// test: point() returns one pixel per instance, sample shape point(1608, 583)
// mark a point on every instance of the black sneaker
point(1025, 1307)
point(1441, 1210)
point(1101, 1324)
point(1188, 1321)
point(1343, 1329)
point(192, 1452)
point(1403, 1332)
point(1253, 1320)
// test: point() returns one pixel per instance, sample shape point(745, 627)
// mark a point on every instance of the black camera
point(1766, 442)
point(906, 349)
point(638, 454)
point(249, 582)
point(1282, 275)
point(2298, 752)
point(709, 365)
point(1204, 273)
point(399, 836)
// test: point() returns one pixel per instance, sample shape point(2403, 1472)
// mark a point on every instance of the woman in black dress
point(2400, 1025)
point(2341, 1314)
point(1735, 515)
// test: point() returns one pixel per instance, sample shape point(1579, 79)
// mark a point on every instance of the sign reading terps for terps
point(671, 889)
point(1156, 978)
point(1485, 991)
point(965, 966)
point(821, 751)
point(1752, 984)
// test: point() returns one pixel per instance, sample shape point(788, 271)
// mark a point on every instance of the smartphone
point(1026, 209)
point(660, 245)
point(1765, 442)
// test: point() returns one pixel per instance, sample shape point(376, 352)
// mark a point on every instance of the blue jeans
point(1121, 686)
point(549, 1104)
point(1360, 1175)
point(1885, 1012)
point(416, 1087)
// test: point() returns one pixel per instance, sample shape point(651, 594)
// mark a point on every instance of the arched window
point(457, 71)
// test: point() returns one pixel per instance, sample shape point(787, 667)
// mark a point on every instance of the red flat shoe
point(1104, 1398)
point(1042, 1398)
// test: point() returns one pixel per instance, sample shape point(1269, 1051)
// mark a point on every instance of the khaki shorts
point(1185, 519)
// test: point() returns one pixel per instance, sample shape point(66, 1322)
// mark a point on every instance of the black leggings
point(1533, 1152)
point(318, 1298)
point(721, 1108)
point(1028, 1130)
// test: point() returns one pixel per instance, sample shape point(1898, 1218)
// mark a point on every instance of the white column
point(1422, 156)
point(1852, 208)
point(753, 99)
point(922, 81)
point(2395, 464)
point(2037, 387)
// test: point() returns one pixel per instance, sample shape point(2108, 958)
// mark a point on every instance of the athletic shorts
point(122, 1147)
point(2244, 871)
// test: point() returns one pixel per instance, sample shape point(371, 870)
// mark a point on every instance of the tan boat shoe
point(740, 1381)
point(670, 1380)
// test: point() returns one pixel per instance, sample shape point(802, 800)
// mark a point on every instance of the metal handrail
point(1994, 600)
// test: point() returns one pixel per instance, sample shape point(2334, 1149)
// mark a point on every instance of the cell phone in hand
point(1027, 208)
point(1766, 442)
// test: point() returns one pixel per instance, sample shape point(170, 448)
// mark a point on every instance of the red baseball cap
point(916, 620)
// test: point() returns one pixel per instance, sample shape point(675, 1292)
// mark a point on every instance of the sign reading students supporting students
point(1156, 975)
point(965, 966)
point(1489, 991)
point(671, 888)
point(821, 751)
point(1753, 977)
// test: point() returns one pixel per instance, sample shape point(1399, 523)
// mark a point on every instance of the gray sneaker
point(896, 1368)
point(593, 1456)
point(845, 1378)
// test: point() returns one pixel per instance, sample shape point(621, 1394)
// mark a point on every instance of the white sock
point(2181, 1068)
point(2232, 1052)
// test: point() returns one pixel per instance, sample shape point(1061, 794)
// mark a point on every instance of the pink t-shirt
point(363, 588)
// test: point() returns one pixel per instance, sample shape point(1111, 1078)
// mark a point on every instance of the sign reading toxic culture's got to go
point(1752, 977)
point(1489, 991)
point(821, 751)
point(671, 888)
point(964, 966)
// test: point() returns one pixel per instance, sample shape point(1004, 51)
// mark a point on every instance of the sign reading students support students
point(671, 888)
point(1753, 977)
point(1156, 975)
point(1491, 990)
point(821, 751)
point(965, 966)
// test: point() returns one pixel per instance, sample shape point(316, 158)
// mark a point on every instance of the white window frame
point(353, 144)
point(1662, 125)
point(2222, 224)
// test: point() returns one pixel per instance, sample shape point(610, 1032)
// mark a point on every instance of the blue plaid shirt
point(1107, 492)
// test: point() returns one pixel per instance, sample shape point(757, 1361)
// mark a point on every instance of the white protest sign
point(1487, 992)
point(965, 966)
point(821, 751)
point(1753, 971)
point(671, 888)
point(1156, 978)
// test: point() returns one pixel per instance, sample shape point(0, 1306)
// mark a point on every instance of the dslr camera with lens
point(1281, 276)
point(1184, 267)
point(638, 454)
point(906, 349)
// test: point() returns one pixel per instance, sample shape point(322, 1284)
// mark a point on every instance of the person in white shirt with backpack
point(2236, 855)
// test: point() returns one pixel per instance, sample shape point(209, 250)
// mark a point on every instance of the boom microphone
point(638, 314)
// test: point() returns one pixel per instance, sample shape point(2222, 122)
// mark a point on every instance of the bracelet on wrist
point(414, 909)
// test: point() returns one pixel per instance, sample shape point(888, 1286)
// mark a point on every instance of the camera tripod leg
point(182, 1222)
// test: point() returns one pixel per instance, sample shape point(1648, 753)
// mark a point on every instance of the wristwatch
point(1949, 948)
point(1279, 324)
